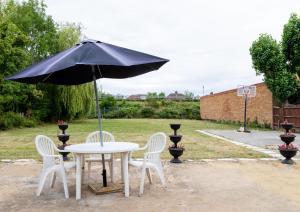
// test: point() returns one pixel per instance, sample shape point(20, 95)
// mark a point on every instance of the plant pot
point(175, 127)
point(176, 152)
point(287, 126)
point(63, 127)
point(288, 154)
point(63, 138)
point(287, 138)
point(64, 154)
point(175, 139)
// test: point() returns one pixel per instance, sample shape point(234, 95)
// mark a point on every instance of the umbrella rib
point(55, 62)
point(105, 49)
point(99, 71)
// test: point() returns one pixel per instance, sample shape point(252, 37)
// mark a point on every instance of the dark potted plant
point(287, 150)
point(175, 150)
point(63, 137)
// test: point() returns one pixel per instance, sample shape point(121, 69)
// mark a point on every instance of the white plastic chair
point(52, 163)
point(154, 147)
point(94, 137)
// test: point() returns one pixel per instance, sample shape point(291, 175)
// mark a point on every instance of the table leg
point(125, 173)
point(78, 176)
point(122, 171)
point(82, 168)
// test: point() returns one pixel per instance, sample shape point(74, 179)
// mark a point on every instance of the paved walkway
point(263, 141)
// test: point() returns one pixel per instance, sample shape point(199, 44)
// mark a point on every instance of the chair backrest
point(157, 143)
point(94, 137)
point(44, 145)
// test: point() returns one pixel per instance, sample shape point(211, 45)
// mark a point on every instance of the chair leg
point(142, 181)
point(89, 169)
point(53, 179)
point(64, 179)
point(160, 173)
point(41, 183)
point(149, 175)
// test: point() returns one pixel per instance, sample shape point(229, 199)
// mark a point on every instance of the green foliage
point(161, 95)
point(31, 18)
point(10, 120)
point(107, 101)
point(283, 85)
point(28, 35)
point(291, 43)
point(165, 109)
point(189, 95)
point(279, 63)
point(267, 57)
point(73, 101)
point(68, 35)
point(147, 112)
point(152, 99)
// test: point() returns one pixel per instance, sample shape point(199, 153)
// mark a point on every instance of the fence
point(288, 113)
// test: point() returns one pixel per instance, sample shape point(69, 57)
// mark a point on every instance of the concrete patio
point(192, 186)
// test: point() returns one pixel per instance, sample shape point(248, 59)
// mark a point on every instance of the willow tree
point(75, 100)
point(279, 62)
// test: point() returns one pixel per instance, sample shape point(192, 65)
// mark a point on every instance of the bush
point(10, 120)
point(169, 113)
point(147, 112)
point(166, 109)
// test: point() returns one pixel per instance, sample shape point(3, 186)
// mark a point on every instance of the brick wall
point(228, 106)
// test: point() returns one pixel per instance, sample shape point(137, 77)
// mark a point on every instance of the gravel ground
point(192, 186)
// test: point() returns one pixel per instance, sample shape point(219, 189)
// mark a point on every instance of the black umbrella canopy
point(75, 65)
point(86, 62)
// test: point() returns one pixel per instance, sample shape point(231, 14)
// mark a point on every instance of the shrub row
point(10, 120)
point(170, 110)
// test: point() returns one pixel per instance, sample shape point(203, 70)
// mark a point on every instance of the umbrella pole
point(100, 127)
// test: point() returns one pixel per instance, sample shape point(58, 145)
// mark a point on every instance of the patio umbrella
point(88, 61)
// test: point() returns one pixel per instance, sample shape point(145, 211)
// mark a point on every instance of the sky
point(207, 42)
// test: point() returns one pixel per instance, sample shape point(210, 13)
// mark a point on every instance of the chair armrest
point(140, 149)
point(152, 153)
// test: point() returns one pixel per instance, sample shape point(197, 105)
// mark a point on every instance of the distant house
point(137, 97)
point(176, 96)
point(119, 97)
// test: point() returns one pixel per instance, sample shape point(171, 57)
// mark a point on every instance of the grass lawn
point(19, 143)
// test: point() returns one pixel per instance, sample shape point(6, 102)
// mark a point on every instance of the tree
point(28, 35)
point(31, 18)
point(13, 56)
point(189, 95)
point(279, 63)
point(152, 99)
point(161, 95)
point(291, 44)
point(71, 101)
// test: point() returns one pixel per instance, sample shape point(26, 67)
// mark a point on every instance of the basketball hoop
point(246, 92)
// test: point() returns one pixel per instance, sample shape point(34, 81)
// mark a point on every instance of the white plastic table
point(80, 150)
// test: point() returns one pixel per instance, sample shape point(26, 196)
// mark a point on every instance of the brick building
point(228, 106)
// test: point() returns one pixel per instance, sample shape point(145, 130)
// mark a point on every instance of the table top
point(108, 147)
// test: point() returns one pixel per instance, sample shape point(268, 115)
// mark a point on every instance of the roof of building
point(137, 97)
point(176, 96)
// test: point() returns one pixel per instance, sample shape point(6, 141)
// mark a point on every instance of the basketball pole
point(245, 114)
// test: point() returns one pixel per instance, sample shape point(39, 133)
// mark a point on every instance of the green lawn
point(19, 143)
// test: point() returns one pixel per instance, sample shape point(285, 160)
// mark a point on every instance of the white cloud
point(207, 42)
